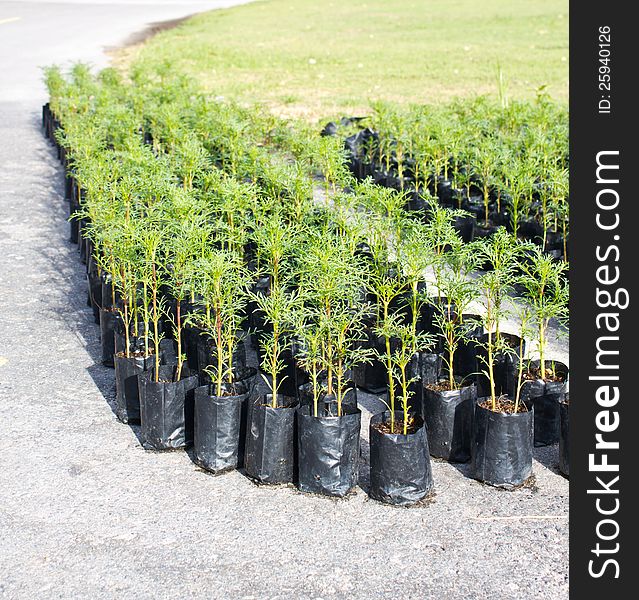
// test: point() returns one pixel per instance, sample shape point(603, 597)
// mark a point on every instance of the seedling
point(547, 291)
point(279, 307)
point(460, 290)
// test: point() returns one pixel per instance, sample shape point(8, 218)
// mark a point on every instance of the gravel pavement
point(86, 512)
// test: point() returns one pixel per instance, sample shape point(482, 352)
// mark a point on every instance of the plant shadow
point(548, 456)
point(66, 290)
point(370, 405)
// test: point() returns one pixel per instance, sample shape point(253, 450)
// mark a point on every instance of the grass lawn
point(313, 59)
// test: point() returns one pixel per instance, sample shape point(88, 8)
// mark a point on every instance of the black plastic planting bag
point(430, 366)
point(246, 376)
point(218, 427)
point(371, 376)
point(120, 339)
point(207, 354)
point(504, 367)
point(166, 409)
point(324, 402)
point(270, 454)
point(94, 298)
point(502, 447)
point(94, 286)
point(82, 244)
point(546, 396)
point(465, 227)
point(74, 223)
point(108, 322)
point(168, 352)
point(127, 397)
point(423, 367)
point(465, 358)
point(449, 420)
point(428, 315)
point(329, 129)
point(400, 464)
point(190, 337)
point(328, 451)
point(564, 446)
point(107, 293)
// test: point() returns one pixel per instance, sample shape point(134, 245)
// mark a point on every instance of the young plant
point(310, 336)
point(222, 283)
point(415, 256)
point(440, 236)
point(547, 291)
point(525, 317)
point(345, 329)
point(126, 256)
point(456, 285)
point(492, 288)
point(183, 245)
point(485, 164)
point(402, 343)
point(386, 284)
point(279, 307)
point(330, 157)
point(518, 182)
point(276, 241)
point(330, 282)
point(152, 238)
point(501, 253)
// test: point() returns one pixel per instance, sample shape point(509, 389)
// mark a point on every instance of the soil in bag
point(448, 415)
point(271, 447)
point(127, 397)
point(218, 426)
point(328, 451)
point(501, 447)
point(400, 464)
point(546, 395)
point(166, 408)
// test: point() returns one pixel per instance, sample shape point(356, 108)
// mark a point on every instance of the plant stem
point(315, 390)
point(491, 373)
point(126, 330)
point(451, 375)
point(274, 363)
point(178, 319)
point(542, 347)
point(156, 318)
point(520, 374)
point(405, 398)
point(389, 367)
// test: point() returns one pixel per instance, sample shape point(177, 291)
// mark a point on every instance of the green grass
point(313, 58)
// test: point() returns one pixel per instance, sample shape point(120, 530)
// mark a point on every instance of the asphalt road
point(86, 512)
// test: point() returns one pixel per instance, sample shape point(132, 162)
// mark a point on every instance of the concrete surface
point(85, 512)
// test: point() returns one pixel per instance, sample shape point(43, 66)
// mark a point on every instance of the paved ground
point(85, 512)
